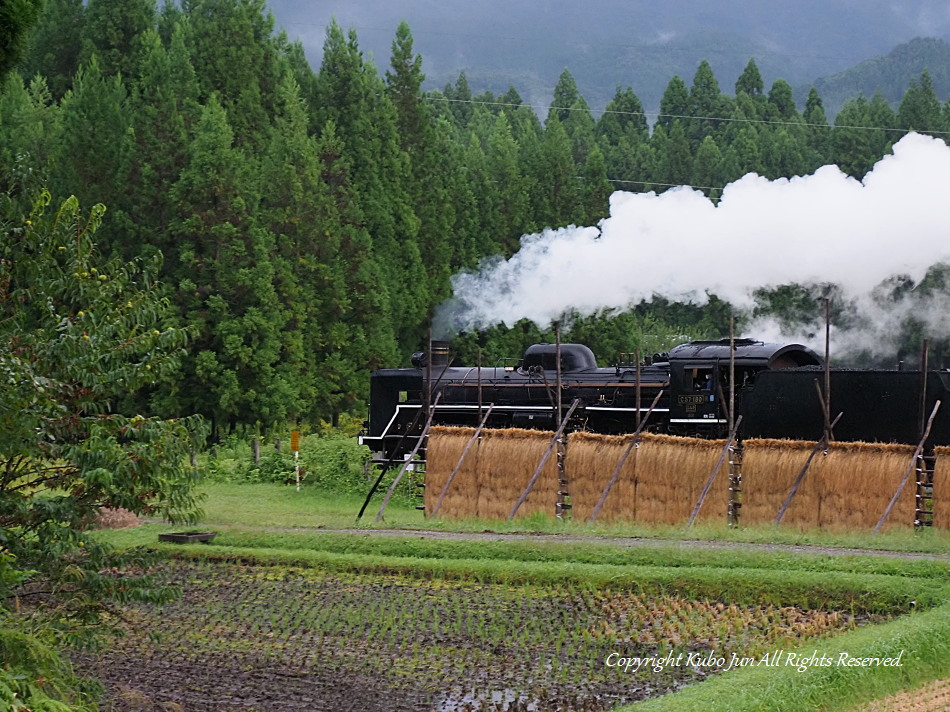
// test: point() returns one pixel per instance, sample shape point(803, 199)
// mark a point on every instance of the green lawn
point(272, 505)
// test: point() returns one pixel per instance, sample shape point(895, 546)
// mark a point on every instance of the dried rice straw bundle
point(942, 488)
point(444, 448)
point(590, 463)
point(670, 475)
point(857, 483)
point(769, 468)
point(507, 461)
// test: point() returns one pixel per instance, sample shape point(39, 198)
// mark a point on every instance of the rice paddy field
point(248, 637)
point(300, 619)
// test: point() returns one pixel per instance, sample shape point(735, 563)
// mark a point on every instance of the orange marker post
point(295, 446)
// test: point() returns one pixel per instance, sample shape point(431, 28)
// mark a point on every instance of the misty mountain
point(606, 43)
point(889, 74)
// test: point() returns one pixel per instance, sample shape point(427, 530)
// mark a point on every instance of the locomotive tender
point(775, 392)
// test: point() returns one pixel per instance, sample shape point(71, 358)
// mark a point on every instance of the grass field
point(279, 614)
point(268, 505)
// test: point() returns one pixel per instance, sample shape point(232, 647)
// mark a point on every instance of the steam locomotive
point(775, 388)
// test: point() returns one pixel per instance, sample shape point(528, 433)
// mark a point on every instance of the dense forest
point(308, 221)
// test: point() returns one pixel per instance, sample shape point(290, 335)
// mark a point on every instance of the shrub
point(331, 460)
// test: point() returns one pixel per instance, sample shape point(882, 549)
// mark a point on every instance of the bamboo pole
point(458, 465)
point(712, 475)
point(913, 464)
point(623, 458)
point(801, 475)
point(547, 454)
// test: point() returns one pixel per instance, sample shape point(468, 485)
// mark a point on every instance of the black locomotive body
point(775, 392)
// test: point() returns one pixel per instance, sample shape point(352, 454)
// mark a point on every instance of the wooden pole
point(827, 395)
point(479, 366)
point(623, 458)
point(732, 371)
point(557, 358)
point(563, 492)
point(801, 475)
point(829, 430)
point(735, 461)
point(428, 389)
point(547, 454)
point(924, 510)
point(458, 465)
point(712, 475)
point(924, 365)
point(639, 388)
point(913, 464)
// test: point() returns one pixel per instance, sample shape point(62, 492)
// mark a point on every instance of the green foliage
point(565, 96)
point(33, 676)
point(310, 222)
point(750, 81)
point(77, 336)
point(920, 109)
point(236, 57)
point(32, 124)
point(16, 19)
point(93, 170)
point(674, 104)
point(111, 29)
point(55, 45)
point(331, 462)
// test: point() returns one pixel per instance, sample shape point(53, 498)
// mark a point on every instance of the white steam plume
point(822, 228)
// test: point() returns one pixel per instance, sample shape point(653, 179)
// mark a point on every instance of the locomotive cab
point(696, 402)
point(699, 378)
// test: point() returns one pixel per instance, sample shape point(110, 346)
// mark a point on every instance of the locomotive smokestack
point(439, 354)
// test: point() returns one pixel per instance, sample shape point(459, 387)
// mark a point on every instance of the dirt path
point(934, 697)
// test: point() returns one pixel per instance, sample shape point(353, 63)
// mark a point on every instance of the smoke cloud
point(817, 229)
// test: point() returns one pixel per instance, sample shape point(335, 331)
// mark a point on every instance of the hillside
point(889, 74)
point(606, 43)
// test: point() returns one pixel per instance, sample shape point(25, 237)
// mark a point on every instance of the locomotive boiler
point(774, 387)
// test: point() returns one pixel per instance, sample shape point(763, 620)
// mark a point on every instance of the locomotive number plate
point(690, 400)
